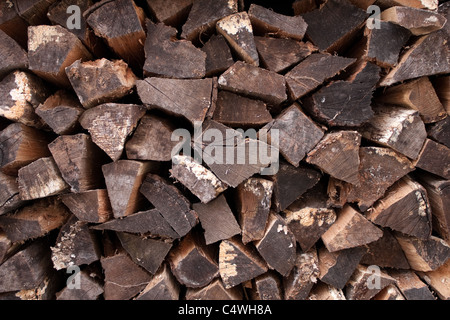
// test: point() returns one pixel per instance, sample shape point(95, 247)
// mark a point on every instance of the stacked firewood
point(122, 129)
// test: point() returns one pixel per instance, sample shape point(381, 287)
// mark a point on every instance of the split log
point(346, 103)
point(172, 12)
point(34, 12)
point(124, 36)
point(299, 282)
point(79, 161)
point(190, 98)
point(424, 255)
point(14, 56)
point(255, 82)
point(20, 145)
point(147, 253)
point(76, 245)
point(123, 179)
point(350, 230)
point(9, 194)
point(390, 292)
point(124, 279)
point(298, 134)
point(366, 283)
point(437, 61)
point(162, 286)
point(7, 248)
point(418, 21)
point(34, 220)
point(192, 262)
point(163, 54)
point(51, 49)
point(27, 268)
point(323, 291)
point(253, 201)
point(239, 263)
point(238, 31)
point(343, 21)
point(60, 112)
point(149, 222)
point(22, 92)
point(337, 267)
point(204, 15)
point(40, 179)
point(385, 252)
point(338, 155)
point(12, 24)
point(100, 81)
point(438, 280)
point(90, 288)
point(110, 124)
point(404, 208)
point(268, 21)
point(278, 245)
point(214, 291)
point(218, 55)
point(421, 4)
point(89, 206)
point(313, 71)
point(411, 286)
point(168, 200)
point(267, 287)
point(440, 132)
point(217, 220)
point(441, 85)
point(435, 158)
point(279, 54)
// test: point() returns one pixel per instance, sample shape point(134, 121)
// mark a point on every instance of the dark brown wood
point(110, 124)
point(218, 55)
point(411, 286)
point(12, 24)
point(6, 247)
point(40, 179)
point(168, 200)
point(172, 12)
point(298, 284)
point(192, 262)
point(357, 287)
point(424, 255)
point(435, 158)
point(162, 286)
point(267, 287)
point(124, 36)
point(350, 230)
point(363, 4)
point(90, 287)
point(255, 82)
point(323, 291)
point(9, 194)
point(343, 21)
point(20, 145)
point(163, 54)
point(440, 132)
point(437, 280)
point(337, 267)
point(76, 245)
point(79, 160)
point(421, 4)
point(89, 206)
point(60, 112)
point(22, 92)
point(34, 220)
point(203, 17)
point(238, 263)
point(147, 253)
point(33, 11)
point(51, 49)
point(14, 56)
point(441, 85)
point(404, 208)
point(100, 81)
point(190, 98)
point(214, 291)
point(346, 103)
point(313, 71)
point(390, 292)
point(253, 202)
point(338, 155)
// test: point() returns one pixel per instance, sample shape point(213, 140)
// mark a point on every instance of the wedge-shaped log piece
point(51, 49)
point(90, 288)
point(20, 145)
point(438, 280)
point(218, 55)
point(440, 132)
point(163, 286)
point(190, 98)
point(238, 263)
point(268, 21)
point(435, 158)
point(9, 194)
point(40, 179)
point(338, 155)
point(365, 283)
point(172, 12)
point(322, 291)
point(278, 245)
point(390, 292)
point(255, 82)
point(12, 24)
point(214, 291)
point(168, 200)
point(266, 287)
point(90, 206)
point(350, 230)
point(100, 81)
point(34, 12)
point(163, 54)
point(313, 71)
point(441, 85)
point(411, 286)
point(14, 56)
point(110, 124)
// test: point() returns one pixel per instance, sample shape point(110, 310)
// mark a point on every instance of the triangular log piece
point(410, 285)
point(9, 194)
point(267, 287)
point(90, 206)
point(366, 282)
point(14, 56)
point(214, 291)
point(435, 158)
point(163, 286)
point(171, 12)
point(218, 55)
point(438, 280)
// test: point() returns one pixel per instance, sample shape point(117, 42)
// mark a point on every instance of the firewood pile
point(224, 149)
